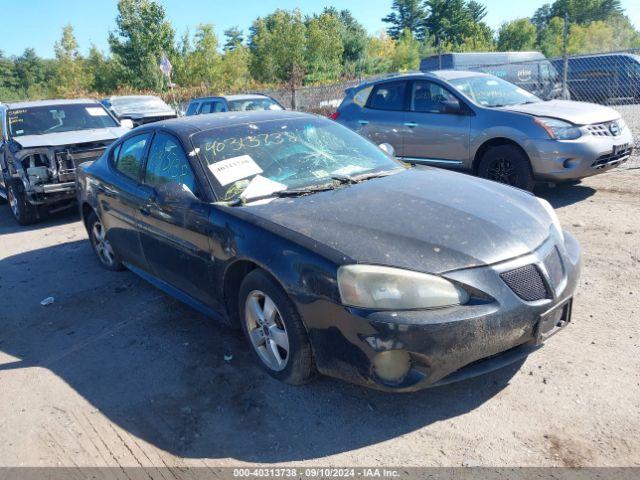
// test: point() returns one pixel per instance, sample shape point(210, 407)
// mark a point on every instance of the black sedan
point(332, 256)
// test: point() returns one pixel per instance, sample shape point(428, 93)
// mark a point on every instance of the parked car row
point(328, 242)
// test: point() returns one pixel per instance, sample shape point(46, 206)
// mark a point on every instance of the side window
point(167, 163)
point(192, 108)
point(388, 96)
point(212, 107)
point(362, 96)
point(428, 97)
point(127, 157)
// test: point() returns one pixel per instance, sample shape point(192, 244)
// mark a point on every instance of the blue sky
point(38, 23)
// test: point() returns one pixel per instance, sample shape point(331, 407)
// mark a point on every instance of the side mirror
point(388, 149)
point(450, 106)
point(126, 123)
point(174, 194)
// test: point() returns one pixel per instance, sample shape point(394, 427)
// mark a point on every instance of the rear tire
point(101, 246)
point(507, 164)
point(274, 330)
point(22, 210)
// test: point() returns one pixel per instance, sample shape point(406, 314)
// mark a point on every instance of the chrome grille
point(527, 283)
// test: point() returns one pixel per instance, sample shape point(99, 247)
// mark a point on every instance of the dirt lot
point(117, 373)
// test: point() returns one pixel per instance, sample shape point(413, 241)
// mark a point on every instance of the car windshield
point(138, 104)
point(58, 118)
point(490, 91)
point(253, 104)
point(259, 159)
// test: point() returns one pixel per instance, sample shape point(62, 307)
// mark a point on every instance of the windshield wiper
point(298, 192)
point(348, 179)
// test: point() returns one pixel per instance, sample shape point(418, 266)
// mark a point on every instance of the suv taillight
point(334, 115)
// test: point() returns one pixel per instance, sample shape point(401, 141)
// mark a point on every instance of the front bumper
point(482, 336)
point(588, 155)
point(52, 193)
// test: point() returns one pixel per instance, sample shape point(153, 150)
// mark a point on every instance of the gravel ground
point(114, 372)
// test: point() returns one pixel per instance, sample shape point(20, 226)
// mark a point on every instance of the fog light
point(570, 163)
point(392, 365)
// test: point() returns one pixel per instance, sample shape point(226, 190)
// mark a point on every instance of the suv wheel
point(507, 164)
point(23, 211)
point(274, 330)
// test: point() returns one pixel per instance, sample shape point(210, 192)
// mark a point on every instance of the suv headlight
point(622, 125)
point(554, 218)
point(558, 129)
point(387, 288)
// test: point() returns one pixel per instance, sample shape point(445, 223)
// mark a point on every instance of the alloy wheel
point(266, 330)
point(503, 170)
point(13, 202)
point(102, 245)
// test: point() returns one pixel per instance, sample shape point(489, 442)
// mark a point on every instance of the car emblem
point(614, 128)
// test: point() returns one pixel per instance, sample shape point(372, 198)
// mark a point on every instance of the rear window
point(253, 104)
point(388, 96)
point(193, 107)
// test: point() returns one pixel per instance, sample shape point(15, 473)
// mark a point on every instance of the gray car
point(140, 109)
point(232, 103)
point(477, 122)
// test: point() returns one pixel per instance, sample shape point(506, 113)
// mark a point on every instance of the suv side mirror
point(450, 106)
point(174, 194)
point(388, 149)
point(126, 123)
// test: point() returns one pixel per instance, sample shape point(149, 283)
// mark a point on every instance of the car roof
point(51, 103)
point(131, 97)
point(243, 96)
point(445, 75)
point(186, 126)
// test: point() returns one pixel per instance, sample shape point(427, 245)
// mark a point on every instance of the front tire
point(507, 164)
point(101, 246)
point(22, 210)
point(274, 330)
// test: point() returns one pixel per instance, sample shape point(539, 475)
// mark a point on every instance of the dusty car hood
point(70, 138)
point(422, 219)
point(579, 113)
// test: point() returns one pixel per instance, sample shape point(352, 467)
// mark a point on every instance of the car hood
point(422, 219)
point(69, 138)
point(578, 113)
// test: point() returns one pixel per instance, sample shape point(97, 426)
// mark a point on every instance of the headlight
point(376, 287)
point(622, 125)
point(554, 217)
point(558, 129)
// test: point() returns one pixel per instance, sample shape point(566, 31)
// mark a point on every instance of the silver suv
point(479, 123)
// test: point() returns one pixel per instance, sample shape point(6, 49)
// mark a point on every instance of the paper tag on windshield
point(96, 111)
point(261, 186)
point(234, 169)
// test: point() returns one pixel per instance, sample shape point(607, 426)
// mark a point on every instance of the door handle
point(410, 124)
point(363, 122)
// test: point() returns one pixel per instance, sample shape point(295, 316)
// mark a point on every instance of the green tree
point(578, 11)
point(278, 46)
point(9, 86)
point(72, 78)
point(406, 55)
point(354, 42)
point(204, 63)
point(550, 38)
point(104, 71)
point(142, 36)
point(406, 14)
point(517, 35)
point(179, 60)
point(324, 47)
point(32, 73)
point(457, 24)
point(233, 38)
point(235, 68)
point(380, 52)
